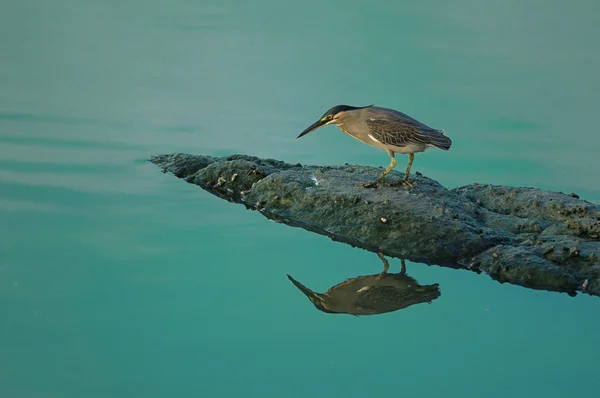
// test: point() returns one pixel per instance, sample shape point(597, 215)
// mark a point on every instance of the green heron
point(371, 294)
point(383, 128)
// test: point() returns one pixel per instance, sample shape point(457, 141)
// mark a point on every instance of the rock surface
point(525, 236)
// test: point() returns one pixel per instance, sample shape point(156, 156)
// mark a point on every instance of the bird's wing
point(391, 298)
point(399, 130)
point(363, 279)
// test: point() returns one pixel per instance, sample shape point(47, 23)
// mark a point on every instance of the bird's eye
point(329, 117)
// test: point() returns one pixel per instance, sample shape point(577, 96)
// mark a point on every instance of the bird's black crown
point(343, 108)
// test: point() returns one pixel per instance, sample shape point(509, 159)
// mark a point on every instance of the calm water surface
point(119, 281)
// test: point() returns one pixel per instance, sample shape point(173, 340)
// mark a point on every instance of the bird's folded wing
point(393, 298)
point(398, 133)
point(401, 133)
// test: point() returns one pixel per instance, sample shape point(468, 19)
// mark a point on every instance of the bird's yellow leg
point(411, 157)
point(403, 266)
point(386, 266)
point(386, 172)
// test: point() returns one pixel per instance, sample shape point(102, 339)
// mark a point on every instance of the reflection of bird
point(383, 128)
point(372, 294)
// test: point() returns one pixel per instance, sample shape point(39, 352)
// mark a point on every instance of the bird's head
point(331, 116)
point(316, 298)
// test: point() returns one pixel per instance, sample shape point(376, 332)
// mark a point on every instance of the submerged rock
point(525, 236)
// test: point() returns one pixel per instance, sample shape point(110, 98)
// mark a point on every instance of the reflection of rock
point(372, 294)
point(530, 237)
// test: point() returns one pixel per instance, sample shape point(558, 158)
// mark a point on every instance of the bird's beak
point(312, 296)
point(312, 127)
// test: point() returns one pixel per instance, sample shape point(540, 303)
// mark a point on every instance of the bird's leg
point(386, 266)
point(386, 172)
point(403, 266)
point(411, 157)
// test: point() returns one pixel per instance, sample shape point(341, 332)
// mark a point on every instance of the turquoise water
point(119, 281)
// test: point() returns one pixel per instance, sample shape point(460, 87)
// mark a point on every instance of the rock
point(525, 236)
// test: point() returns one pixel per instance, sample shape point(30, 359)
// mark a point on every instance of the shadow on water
point(372, 294)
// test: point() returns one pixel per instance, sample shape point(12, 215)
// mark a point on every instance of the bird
point(371, 294)
point(384, 128)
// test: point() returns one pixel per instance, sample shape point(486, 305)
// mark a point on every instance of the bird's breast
point(346, 130)
point(360, 135)
point(343, 128)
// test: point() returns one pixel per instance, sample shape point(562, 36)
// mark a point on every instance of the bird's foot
point(406, 183)
point(381, 275)
point(373, 184)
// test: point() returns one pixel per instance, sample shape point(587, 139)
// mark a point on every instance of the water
point(119, 281)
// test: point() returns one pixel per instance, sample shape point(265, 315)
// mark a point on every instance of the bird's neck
point(346, 120)
point(341, 126)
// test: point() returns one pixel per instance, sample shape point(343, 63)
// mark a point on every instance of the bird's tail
point(429, 293)
point(439, 140)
